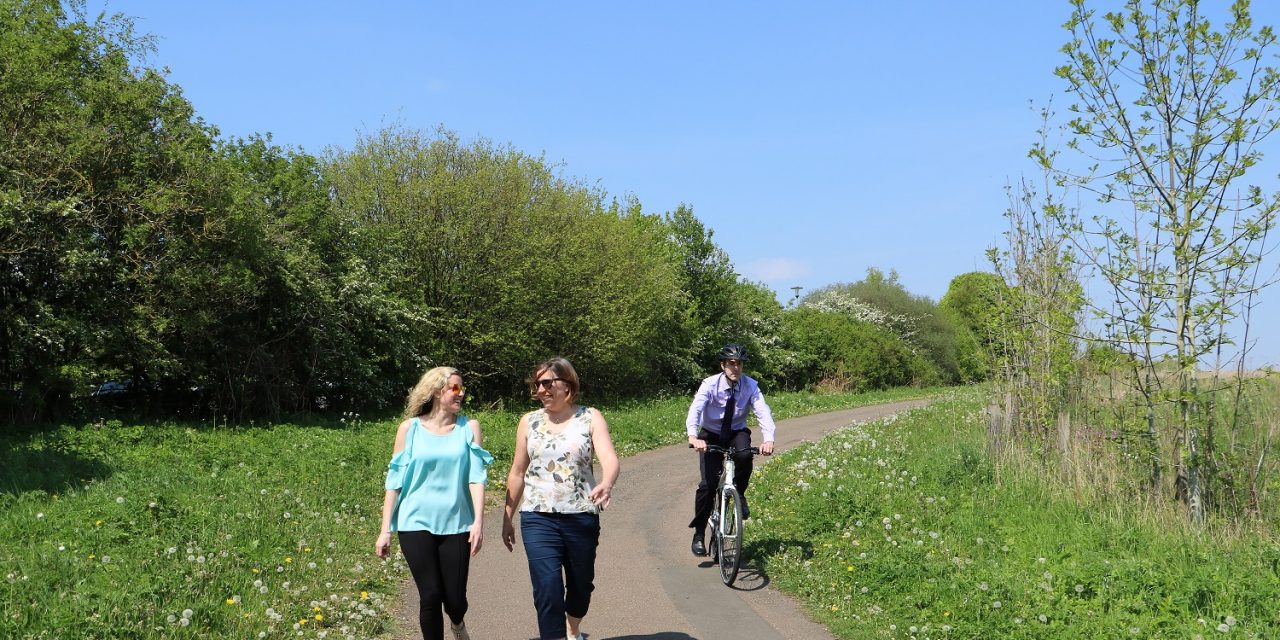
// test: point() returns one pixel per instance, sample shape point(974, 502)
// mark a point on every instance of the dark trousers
point(561, 548)
point(712, 464)
point(439, 565)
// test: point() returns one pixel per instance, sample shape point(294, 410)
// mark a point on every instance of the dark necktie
point(726, 424)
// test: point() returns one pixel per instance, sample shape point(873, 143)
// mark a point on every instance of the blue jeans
point(561, 548)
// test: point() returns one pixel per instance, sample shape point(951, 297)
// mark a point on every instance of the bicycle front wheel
point(730, 535)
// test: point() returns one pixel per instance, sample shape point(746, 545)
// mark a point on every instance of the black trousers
point(439, 565)
point(711, 465)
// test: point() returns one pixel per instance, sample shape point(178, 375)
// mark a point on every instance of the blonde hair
point(421, 395)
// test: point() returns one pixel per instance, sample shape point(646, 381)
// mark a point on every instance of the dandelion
point(319, 618)
point(1231, 621)
point(184, 622)
point(364, 595)
point(119, 499)
point(1079, 588)
point(982, 586)
point(1223, 627)
point(1134, 630)
point(231, 601)
point(106, 559)
point(946, 628)
point(187, 613)
point(995, 605)
point(1042, 618)
point(40, 516)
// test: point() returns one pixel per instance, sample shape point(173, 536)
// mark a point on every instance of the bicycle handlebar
point(715, 448)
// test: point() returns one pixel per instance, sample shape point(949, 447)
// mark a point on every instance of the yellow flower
point(319, 617)
point(316, 609)
point(302, 621)
point(256, 570)
point(946, 614)
point(231, 601)
point(306, 549)
point(364, 595)
point(288, 560)
point(849, 568)
point(97, 523)
point(91, 556)
point(835, 608)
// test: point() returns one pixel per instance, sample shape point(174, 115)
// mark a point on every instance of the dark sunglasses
point(456, 388)
point(546, 383)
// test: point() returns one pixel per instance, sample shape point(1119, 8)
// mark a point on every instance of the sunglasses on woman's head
point(546, 383)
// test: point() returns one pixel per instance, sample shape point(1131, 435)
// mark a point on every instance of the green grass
point(899, 529)
point(124, 531)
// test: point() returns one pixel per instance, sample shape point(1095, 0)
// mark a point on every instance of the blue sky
point(816, 139)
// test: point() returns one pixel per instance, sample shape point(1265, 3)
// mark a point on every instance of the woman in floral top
point(560, 517)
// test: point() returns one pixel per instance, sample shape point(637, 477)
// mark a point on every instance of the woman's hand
point(382, 547)
point(476, 538)
point(601, 494)
point(508, 533)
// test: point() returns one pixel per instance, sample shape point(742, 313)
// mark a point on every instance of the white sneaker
point(459, 631)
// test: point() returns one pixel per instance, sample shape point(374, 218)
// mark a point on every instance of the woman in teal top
point(435, 499)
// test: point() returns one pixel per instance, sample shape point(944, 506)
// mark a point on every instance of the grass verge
point(898, 529)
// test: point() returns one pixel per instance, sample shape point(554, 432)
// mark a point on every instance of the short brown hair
point(562, 369)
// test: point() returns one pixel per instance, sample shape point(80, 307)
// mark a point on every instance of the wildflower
point(995, 605)
point(364, 595)
point(230, 601)
point(319, 618)
point(119, 499)
point(1079, 588)
point(1223, 627)
point(1231, 621)
point(40, 516)
point(187, 613)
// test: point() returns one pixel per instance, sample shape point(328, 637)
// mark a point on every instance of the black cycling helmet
point(733, 352)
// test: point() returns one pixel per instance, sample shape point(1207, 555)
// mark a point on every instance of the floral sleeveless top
point(560, 478)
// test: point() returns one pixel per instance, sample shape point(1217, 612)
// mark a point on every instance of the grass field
point(209, 530)
point(898, 529)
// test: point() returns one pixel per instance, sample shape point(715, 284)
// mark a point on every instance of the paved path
point(648, 585)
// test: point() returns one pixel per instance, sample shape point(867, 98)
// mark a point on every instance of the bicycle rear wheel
point(729, 535)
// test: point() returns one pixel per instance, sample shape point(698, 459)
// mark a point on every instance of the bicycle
point(726, 520)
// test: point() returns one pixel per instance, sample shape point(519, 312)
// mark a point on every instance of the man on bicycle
point(718, 414)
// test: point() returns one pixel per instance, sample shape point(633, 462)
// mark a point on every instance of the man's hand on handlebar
point(698, 444)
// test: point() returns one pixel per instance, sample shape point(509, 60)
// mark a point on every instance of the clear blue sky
point(815, 138)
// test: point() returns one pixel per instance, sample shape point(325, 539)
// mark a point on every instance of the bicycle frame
point(727, 517)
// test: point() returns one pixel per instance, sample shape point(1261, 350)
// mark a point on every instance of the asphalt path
point(648, 585)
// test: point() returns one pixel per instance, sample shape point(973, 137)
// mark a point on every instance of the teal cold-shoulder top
point(432, 473)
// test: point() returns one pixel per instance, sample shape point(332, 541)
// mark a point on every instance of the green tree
point(1169, 112)
point(107, 182)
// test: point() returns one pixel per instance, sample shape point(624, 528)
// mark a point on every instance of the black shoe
point(746, 509)
point(698, 547)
